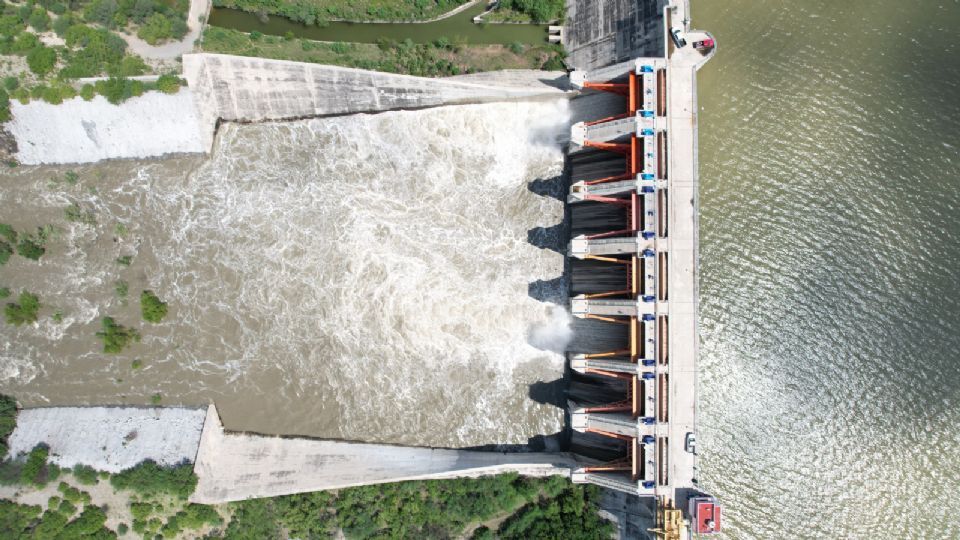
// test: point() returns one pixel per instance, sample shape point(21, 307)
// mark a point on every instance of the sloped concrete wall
point(110, 438)
point(245, 89)
point(237, 466)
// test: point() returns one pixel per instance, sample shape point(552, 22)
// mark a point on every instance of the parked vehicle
point(677, 40)
point(705, 44)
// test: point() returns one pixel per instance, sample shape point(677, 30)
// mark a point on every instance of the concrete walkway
point(237, 466)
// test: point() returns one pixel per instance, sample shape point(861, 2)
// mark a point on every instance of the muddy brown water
point(363, 277)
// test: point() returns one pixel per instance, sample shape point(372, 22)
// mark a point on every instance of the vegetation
point(32, 246)
point(116, 337)
point(151, 479)
point(8, 420)
point(169, 83)
point(319, 13)
point(36, 471)
point(4, 292)
point(5, 252)
point(76, 213)
point(539, 11)
point(27, 521)
point(152, 309)
point(125, 260)
point(85, 474)
point(24, 311)
point(443, 57)
point(431, 509)
point(156, 399)
point(122, 288)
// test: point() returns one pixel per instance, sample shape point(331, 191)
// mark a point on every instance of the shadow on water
point(548, 290)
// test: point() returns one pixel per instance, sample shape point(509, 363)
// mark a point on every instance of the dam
point(631, 259)
point(633, 251)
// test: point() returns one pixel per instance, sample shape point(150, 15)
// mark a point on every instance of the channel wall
point(242, 89)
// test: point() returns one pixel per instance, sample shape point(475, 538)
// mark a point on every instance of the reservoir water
point(830, 264)
point(363, 277)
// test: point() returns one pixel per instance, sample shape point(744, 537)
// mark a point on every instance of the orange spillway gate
point(632, 90)
point(633, 208)
point(633, 283)
point(632, 463)
point(636, 336)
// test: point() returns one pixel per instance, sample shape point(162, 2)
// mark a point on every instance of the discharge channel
point(364, 277)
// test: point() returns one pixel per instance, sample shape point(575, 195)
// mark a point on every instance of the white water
point(362, 277)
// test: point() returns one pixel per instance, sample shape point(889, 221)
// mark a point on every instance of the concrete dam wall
point(237, 466)
point(242, 89)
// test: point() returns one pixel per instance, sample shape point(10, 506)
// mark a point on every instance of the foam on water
point(362, 277)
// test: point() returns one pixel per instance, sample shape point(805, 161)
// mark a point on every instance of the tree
point(151, 307)
point(41, 60)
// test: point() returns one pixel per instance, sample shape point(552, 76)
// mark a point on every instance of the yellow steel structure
point(672, 525)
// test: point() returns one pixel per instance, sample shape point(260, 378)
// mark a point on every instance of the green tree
point(41, 60)
point(87, 92)
point(152, 309)
point(150, 479)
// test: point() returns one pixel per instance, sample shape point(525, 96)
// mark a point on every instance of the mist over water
point(362, 277)
point(830, 241)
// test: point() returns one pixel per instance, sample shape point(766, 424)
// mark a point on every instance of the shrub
point(4, 292)
point(122, 288)
point(8, 232)
point(39, 19)
point(24, 312)
point(30, 248)
point(118, 90)
point(152, 309)
point(101, 11)
point(122, 529)
point(150, 479)
point(11, 83)
point(85, 474)
point(41, 60)
point(156, 398)
point(131, 66)
point(75, 213)
point(6, 250)
point(169, 83)
point(516, 47)
point(116, 337)
point(87, 92)
point(125, 260)
point(156, 29)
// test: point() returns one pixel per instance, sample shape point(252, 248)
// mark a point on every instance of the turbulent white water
point(362, 277)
